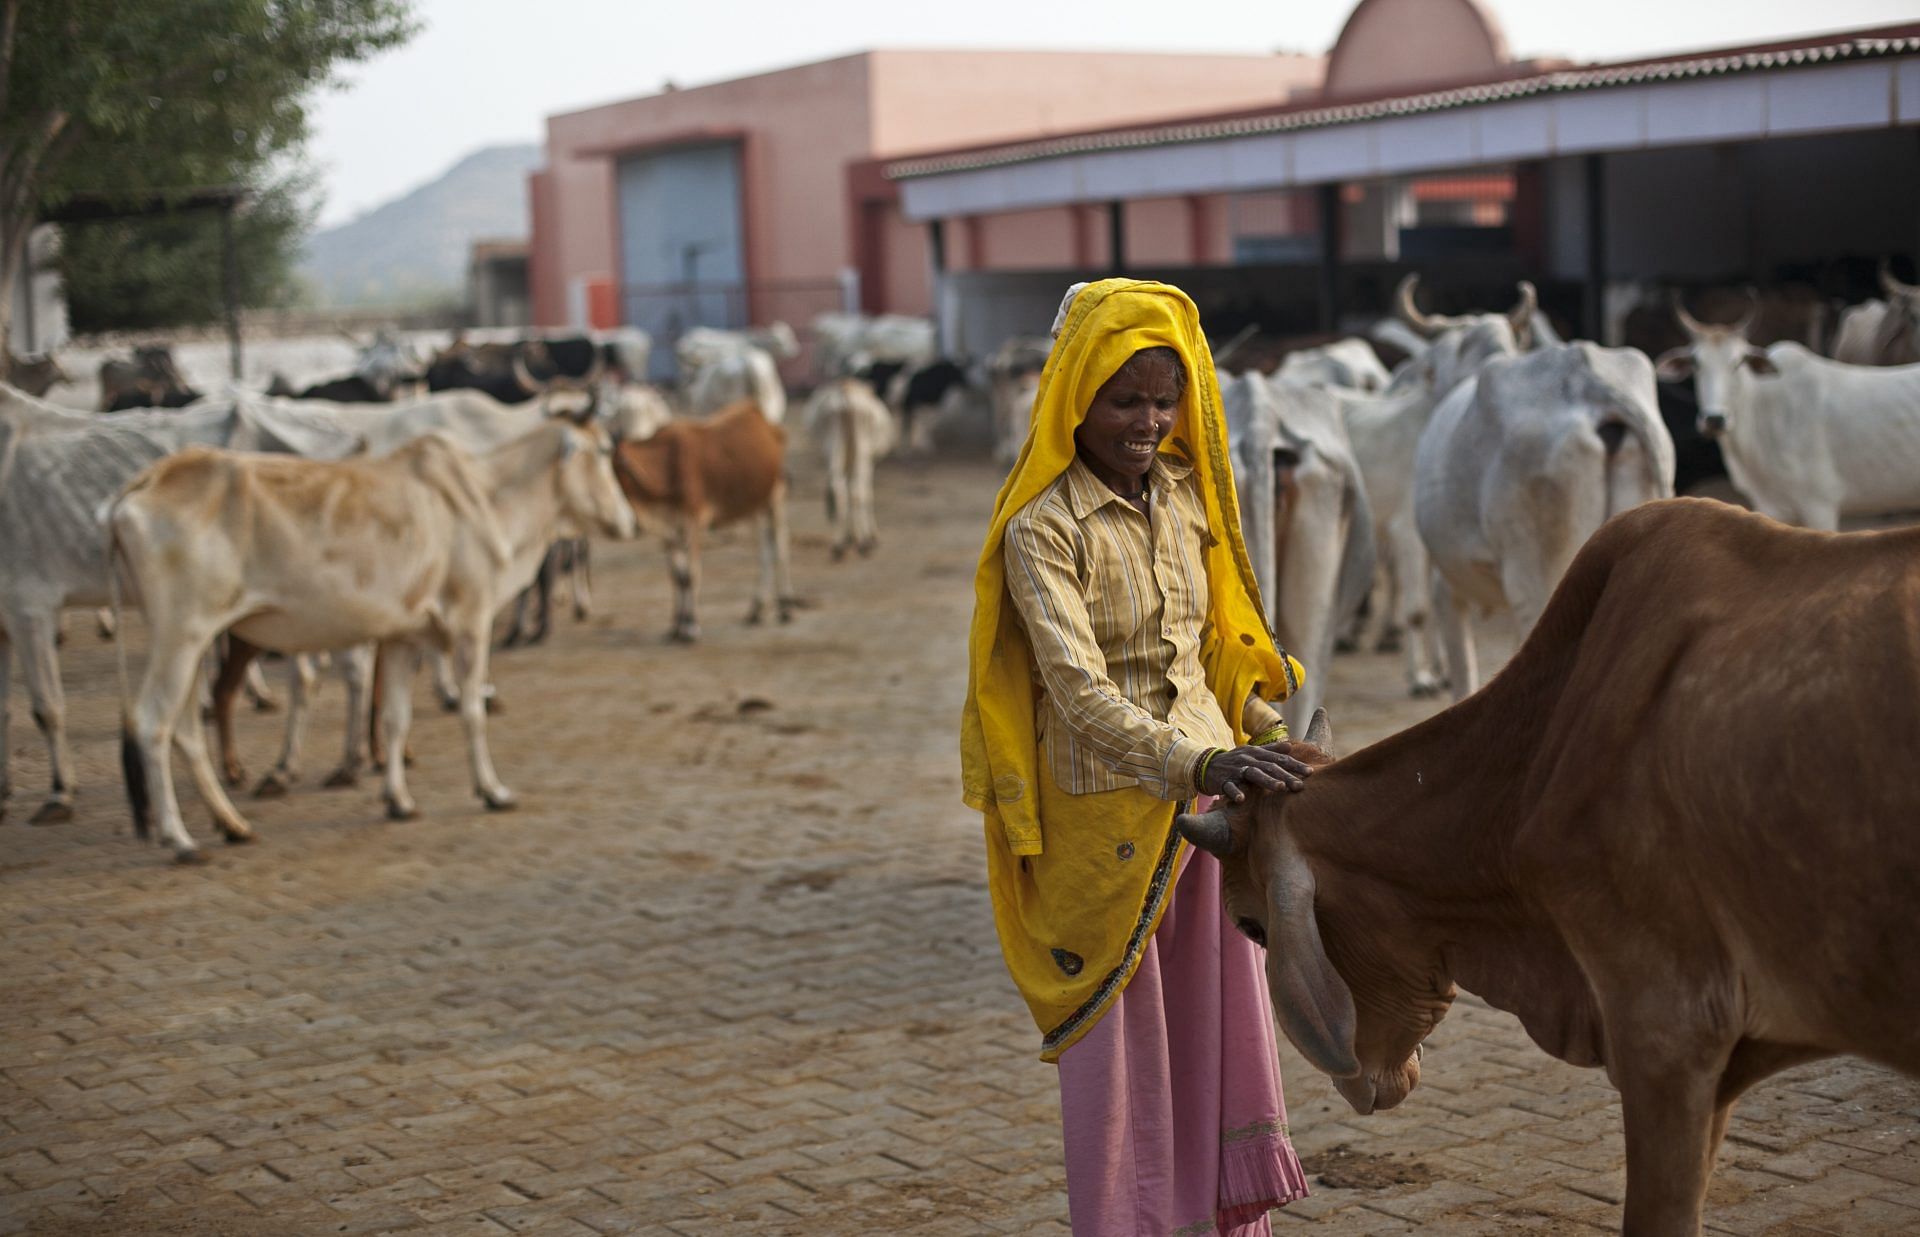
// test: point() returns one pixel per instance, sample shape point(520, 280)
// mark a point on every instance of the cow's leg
point(581, 577)
point(683, 562)
point(356, 671)
point(470, 659)
point(235, 659)
point(1669, 1110)
point(445, 684)
point(36, 632)
point(840, 499)
point(103, 623)
point(169, 687)
point(398, 661)
point(190, 737)
point(257, 692)
point(299, 710)
point(537, 597)
point(1456, 633)
point(782, 553)
point(6, 700)
point(1412, 608)
point(866, 531)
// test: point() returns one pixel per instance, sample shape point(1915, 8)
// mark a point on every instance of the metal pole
point(230, 261)
point(1328, 200)
point(1593, 294)
point(1116, 237)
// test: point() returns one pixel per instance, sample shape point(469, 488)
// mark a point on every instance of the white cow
point(844, 344)
point(726, 377)
point(1350, 363)
point(854, 428)
point(1303, 508)
point(1807, 439)
point(1882, 332)
point(57, 467)
point(1385, 432)
point(1013, 382)
point(1520, 463)
point(416, 550)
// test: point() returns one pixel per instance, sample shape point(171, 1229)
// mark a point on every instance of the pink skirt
point(1171, 1107)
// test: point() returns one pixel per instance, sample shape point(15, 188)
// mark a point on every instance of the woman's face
point(1130, 415)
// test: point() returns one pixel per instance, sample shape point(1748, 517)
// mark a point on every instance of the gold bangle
point(1200, 777)
point(1272, 734)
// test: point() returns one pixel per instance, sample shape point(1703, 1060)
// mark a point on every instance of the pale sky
point(485, 72)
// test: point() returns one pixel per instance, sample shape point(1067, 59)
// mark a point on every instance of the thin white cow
point(57, 467)
point(1013, 382)
point(854, 427)
point(415, 550)
point(1519, 465)
point(1303, 508)
point(1807, 439)
point(844, 344)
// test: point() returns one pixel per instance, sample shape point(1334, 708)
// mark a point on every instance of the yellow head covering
point(1072, 922)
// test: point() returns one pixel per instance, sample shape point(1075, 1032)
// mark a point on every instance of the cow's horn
point(1207, 830)
point(1320, 731)
point(1409, 312)
point(1753, 311)
point(521, 375)
point(1314, 1004)
point(1692, 324)
point(1892, 287)
point(1520, 317)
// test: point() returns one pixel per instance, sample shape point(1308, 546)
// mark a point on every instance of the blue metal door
point(681, 258)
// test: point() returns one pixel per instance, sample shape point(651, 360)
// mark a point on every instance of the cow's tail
point(133, 766)
point(1615, 431)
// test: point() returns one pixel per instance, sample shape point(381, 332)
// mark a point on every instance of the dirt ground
point(729, 968)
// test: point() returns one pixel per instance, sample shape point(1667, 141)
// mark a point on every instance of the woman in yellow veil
point(1120, 665)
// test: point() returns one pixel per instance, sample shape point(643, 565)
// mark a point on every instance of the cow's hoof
point(684, 635)
point(1425, 691)
point(52, 812)
point(756, 615)
point(840, 552)
point(190, 857)
point(240, 837)
point(493, 705)
point(867, 548)
point(401, 811)
point(449, 704)
point(265, 704)
point(273, 786)
point(1345, 645)
point(501, 803)
point(513, 640)
point(341, 778)
point(234, 776)
point(581, 614)
point(1389, 643)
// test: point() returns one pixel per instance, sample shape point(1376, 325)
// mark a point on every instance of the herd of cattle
point(1672, 836)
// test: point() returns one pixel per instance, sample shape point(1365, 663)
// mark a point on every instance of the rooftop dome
point(1395, 46)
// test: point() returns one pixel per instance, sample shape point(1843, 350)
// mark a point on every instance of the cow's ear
point(1314, 1004)
point(1760, 363)
point(1674, 365)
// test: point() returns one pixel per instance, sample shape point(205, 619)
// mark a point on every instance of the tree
point(136, 98)
point(167, 270)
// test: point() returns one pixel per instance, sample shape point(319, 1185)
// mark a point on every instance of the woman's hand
point(1232, 773)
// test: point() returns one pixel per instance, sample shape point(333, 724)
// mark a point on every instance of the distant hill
point(415, 247)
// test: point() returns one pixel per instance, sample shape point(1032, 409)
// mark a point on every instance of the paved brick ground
point(730, 969)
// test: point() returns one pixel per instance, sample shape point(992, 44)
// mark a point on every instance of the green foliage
point(139, 97)
point(168, 270)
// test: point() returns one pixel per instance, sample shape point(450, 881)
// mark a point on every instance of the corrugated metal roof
point(1323, 115)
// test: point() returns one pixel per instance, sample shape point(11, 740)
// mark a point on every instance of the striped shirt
point(1114, 604)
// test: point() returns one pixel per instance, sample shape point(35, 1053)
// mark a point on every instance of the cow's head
point(589, 492)
point(1713, 358)
point(1355, 988)
point(1903, 312)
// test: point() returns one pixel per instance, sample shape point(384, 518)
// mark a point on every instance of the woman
point(1120, 663)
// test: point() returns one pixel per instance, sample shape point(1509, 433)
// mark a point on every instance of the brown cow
point(696, 475)
point(1675, 836)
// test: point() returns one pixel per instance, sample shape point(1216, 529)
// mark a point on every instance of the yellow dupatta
point(1072, 905)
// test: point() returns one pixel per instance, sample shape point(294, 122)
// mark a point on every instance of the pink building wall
point(800, 128)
